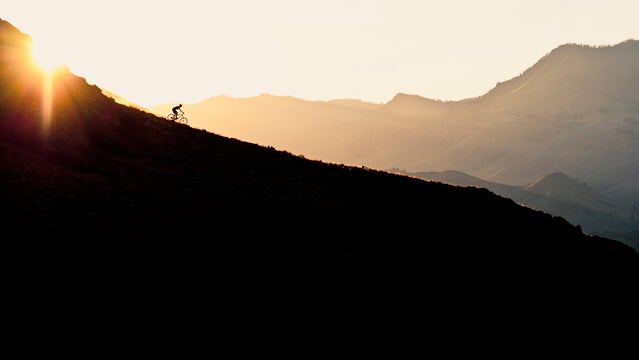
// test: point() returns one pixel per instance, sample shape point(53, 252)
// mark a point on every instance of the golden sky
point(155, 51)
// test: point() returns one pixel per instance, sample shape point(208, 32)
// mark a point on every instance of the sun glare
point(47, 101)
point(47, 56)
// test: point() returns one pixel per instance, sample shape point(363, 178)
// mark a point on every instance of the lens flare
point(47, 57)
point(47, 100)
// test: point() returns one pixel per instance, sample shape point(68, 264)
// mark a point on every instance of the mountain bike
point(179, 118)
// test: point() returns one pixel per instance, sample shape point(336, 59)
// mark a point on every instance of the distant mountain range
point(575, 111)
point(560, 195)
point(125, 232)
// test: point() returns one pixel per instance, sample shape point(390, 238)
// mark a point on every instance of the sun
point(47, 55)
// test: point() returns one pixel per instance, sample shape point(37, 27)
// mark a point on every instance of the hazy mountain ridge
point(564, 114)
point(304, 127)
point(579, 75)
point(124, 219)
point(574, 111)
point(563, 196)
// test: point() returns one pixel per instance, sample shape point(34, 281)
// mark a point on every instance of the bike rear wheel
point(171, 117)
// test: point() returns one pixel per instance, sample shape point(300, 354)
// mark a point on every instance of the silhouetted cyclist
point(174, 116)
point(176, 108)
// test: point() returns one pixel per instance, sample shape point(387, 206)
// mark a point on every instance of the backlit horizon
point(155, 52)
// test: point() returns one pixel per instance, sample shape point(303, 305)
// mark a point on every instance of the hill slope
point(560, 195)
point(575, 111)
point(123, 213)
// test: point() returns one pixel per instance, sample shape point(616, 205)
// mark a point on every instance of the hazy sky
point(156, 51)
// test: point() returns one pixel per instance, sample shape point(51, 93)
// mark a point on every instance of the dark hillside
point(560, 195)
point(143, 228)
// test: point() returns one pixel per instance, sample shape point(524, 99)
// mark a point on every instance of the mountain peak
point(12, 39)
point(576, 46)
point(562, 186)
point(553, 180)
point(404, 98)
point(574, 76)
point(410, 105)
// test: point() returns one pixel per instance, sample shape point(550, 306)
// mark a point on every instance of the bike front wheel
point(183, 120)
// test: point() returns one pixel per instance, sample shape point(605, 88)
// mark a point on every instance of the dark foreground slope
point(560, 195)
point(142, 228)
